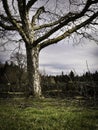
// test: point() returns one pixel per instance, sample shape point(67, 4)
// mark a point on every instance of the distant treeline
point(13, 78)
point(10, 73)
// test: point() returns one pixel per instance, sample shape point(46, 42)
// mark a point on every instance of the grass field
point(47, 114)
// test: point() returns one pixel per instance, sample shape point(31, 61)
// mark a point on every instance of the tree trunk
point(34, 87)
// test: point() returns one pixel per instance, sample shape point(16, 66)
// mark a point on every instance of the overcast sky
point(68, 56)
point(65, 56)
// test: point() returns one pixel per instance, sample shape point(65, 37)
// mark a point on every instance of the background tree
point(41, 23)
point(20, 60)
point(71, 75)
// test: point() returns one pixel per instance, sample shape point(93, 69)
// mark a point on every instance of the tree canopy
point(47, 17)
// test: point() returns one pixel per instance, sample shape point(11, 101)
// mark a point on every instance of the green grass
point(46, 114)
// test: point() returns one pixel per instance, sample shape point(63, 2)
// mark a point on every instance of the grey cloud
point(66, 57)
point(54, 66)
point(95, 52)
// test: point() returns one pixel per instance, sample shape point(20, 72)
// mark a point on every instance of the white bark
point(33, 71)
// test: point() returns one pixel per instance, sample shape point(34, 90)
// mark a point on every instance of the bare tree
point(20, 60)
point(41, 23)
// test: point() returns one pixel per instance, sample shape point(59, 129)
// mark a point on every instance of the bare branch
point(55, 22)
point(94, 1)
point(30, 3)
point(87, 5)
point(4, 18)
point(6, 23)
point(6, 27)
point(22, 11)
point(14, 6)
point(7, 10)
point(87, 36)
point(50, 32)
point(70, 17)
point(13, 21)
point(36, 16)
point(66, 16)
point(69, 32)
